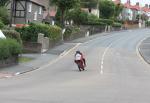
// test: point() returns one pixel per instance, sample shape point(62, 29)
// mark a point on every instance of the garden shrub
point(1, 24)
point(70, 30)
point(12, 34)
point(106, 21)
point(115, 24)
point(30, 33)
point(147, 23)
point(77, 15)
point(8, 48)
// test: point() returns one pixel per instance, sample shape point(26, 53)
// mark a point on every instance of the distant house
point(93, 11)
point(49, 15)
point(146, 11)
point(130, 12)
point(26, 11)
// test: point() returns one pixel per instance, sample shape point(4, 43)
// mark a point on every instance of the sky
point(142, 2)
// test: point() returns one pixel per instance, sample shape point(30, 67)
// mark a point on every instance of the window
point(40, 10)
point(35, 15)
point(30, 7)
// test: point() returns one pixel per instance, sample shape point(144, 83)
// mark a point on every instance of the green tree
point(143, 17)
point(4, 15)
point(64, 6)
point(90, 4)
point(118, 10)
point(3, 2)
point(77, 15)
point(107, 8)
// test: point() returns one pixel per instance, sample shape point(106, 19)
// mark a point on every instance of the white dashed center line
point(103, 57)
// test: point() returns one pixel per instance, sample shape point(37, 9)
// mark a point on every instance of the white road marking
point(103, 57)
point(17, 73)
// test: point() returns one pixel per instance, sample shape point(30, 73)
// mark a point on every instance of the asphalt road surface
point(115, 73)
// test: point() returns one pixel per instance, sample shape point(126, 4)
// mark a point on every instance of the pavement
point(42, 59)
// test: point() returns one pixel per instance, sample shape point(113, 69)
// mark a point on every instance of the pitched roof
point(47, 14)
point(117, 2)
point(145, 9)
point(133, 7)
point(44, 3)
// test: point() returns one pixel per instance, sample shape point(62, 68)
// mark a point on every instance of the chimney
point(137, 4)
point(146, 5)
point(128, 2)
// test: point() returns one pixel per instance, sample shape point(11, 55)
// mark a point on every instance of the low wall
point(9, 62)
point(116, 28)
point(87, 30)
point(32, 47)
point(77, 35)
point(96, 29)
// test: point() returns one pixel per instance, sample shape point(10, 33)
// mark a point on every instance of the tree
point(78, 16)
point(4, 15)
point(64, 6)
point(3, 2)
point(107, 9)
point(90, 4)
point(118, 10)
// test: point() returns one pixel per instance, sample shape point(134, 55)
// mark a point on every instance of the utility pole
point(11, 12)
point(98, 11)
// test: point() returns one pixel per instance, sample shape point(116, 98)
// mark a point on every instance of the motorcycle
point(80, 65)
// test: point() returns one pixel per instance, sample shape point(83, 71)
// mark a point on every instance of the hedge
point(12, 34)
point(70, 30)
point(115, 24)
point(147, 23)
point(92, 20)
point(8, 48)
point(30, 33)
point(1, 24)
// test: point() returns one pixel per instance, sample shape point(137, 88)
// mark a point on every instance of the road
point(115, 73)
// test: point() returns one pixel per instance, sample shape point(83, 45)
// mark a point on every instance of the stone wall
point(44, 41)
point(32, 47)
point(9, 62)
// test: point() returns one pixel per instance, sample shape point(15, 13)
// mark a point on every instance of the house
point(146, 11)
point(49, 15)
point(26, 11)
point(130, 12)
point(93, 11)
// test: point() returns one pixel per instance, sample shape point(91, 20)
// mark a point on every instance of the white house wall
point(95, 12)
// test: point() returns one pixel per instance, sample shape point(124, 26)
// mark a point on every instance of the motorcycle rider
point(80, 58)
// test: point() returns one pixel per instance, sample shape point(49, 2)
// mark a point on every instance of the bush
point(1, 24)
point(147, 23)
point(106, 21)
point(4, 16)
point(115, 24)
point(78, 16)
point(30, 33)
point(9, 48)
point(12, 34)
point(70, 30)
point(92, 18)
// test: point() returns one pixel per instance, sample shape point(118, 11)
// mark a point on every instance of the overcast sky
point(142, 2)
